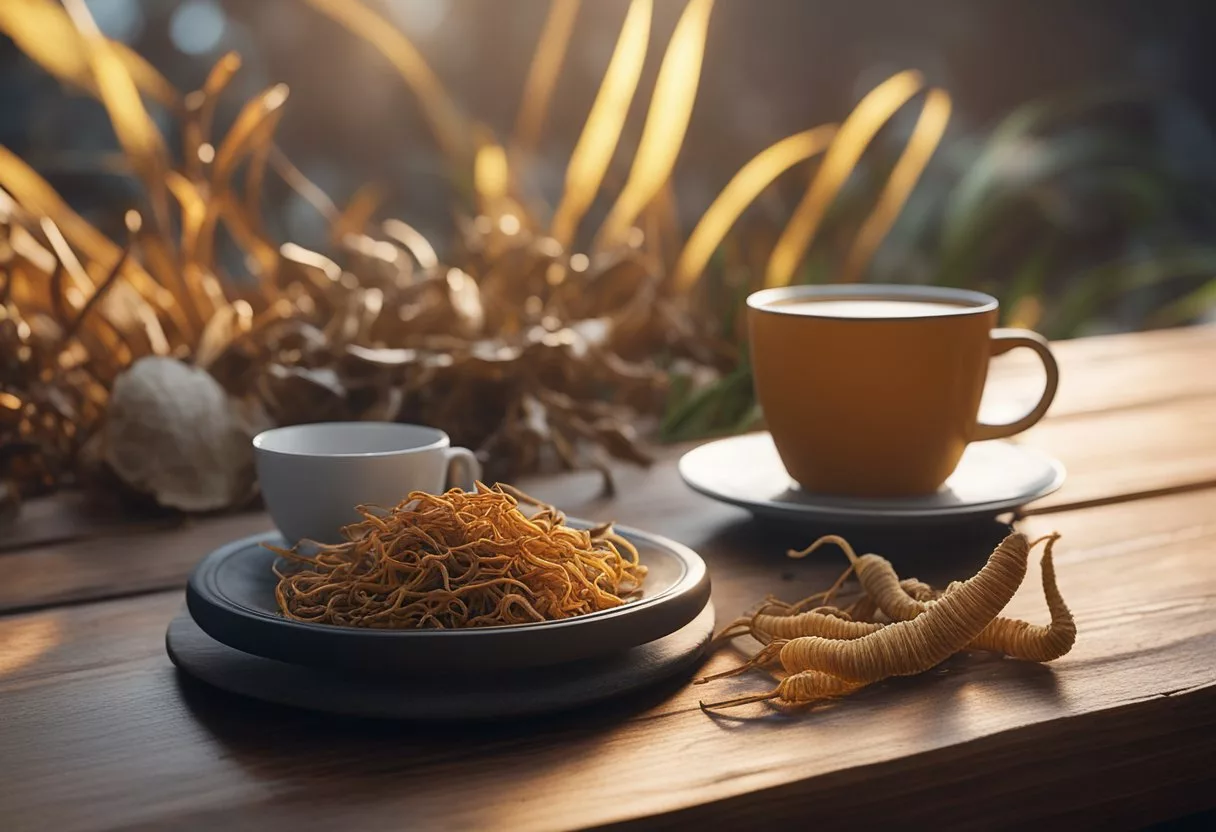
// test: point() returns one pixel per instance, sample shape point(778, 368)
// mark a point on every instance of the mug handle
point(1004, 340)
point(462, 458)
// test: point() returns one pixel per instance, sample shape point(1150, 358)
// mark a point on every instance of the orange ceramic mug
point(873, 390)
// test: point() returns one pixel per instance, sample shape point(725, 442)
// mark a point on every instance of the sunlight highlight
point(44, 32)
point(33, 192)
point(675, 91)
point(135, 129)
point(542, 74)
point(440, 112)
point(602, 131)
point(924, 140)
point(490, 174)
point(414, 242)
point(855, 135)
point(24, 642)
point(739, 193)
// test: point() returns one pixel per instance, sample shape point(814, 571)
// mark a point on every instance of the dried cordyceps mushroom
point(843, 655)
point(489, 557)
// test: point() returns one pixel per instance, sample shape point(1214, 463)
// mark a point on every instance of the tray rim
point(652, 671)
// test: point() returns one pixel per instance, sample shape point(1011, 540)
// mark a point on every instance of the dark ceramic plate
point(231, 596)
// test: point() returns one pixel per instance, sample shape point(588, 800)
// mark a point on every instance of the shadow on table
point(263, 731)
point(315, 753)
point(938, 703)
point(938, 554)
point(328, 759)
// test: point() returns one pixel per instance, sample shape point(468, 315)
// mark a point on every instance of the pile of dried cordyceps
point(148, 357)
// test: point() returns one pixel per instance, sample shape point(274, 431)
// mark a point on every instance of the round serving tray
point(438, 696)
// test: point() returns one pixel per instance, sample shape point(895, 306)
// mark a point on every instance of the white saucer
point(992, 478)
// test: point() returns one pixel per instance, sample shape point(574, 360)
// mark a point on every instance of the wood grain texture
point(1124, 453)
point(1113, 457)
point(1111, 372)
point(1136, 415)
point(71, 515)
point(99, 732)
point(117, 562)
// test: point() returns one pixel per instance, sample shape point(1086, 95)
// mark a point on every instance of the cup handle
point(1004, 340)
point(462, 458)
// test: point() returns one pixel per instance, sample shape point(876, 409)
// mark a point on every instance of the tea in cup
point(874, 391)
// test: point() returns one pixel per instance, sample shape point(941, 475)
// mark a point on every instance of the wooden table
point(98, 731)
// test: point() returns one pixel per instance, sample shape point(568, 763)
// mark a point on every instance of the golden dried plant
point(523, 346)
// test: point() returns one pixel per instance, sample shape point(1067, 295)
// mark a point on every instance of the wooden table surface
point(98, 730)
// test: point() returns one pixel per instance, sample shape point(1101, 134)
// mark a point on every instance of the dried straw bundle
point(538, 339)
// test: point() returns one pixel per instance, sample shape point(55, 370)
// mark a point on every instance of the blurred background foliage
point(1076, 179)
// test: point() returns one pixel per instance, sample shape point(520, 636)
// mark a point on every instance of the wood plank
point(1122, 453)
point(98, 731)
point(1110, 788)
point(121, 562)
point(1109, 457)
point(75, 514)
point(1155, 436)
point(1123, 344)
point(1107, 373)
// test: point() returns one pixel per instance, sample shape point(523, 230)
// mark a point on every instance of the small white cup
point(312, 476)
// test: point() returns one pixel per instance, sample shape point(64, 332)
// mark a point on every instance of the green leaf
point(1188, 308)
point(719, 408)
point(1096, 287)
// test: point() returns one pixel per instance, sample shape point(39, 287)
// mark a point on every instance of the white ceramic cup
point(312, 476)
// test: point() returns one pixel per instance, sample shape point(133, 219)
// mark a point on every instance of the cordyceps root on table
point(897, 627)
